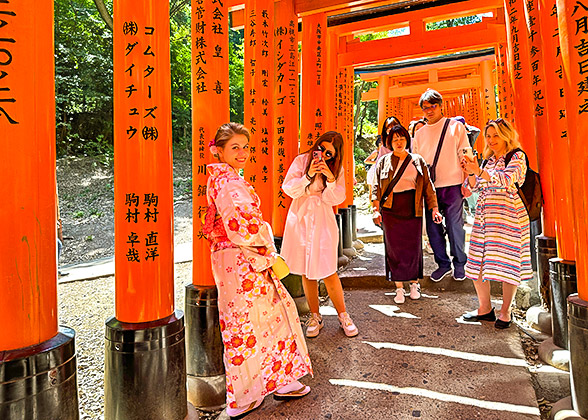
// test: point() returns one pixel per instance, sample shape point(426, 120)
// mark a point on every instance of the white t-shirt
point(425, 143)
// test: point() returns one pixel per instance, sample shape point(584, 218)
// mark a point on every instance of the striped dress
point(500, 239)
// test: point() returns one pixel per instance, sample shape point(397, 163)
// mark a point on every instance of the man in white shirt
point(448, 177)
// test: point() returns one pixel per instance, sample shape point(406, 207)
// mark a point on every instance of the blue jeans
point(450, 203)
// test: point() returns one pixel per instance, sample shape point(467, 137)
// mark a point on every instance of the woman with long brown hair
point(316, 183)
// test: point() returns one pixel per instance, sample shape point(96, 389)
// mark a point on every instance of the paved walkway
point(416, 360)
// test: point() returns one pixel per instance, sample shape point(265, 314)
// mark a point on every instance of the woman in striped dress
point(500, 241)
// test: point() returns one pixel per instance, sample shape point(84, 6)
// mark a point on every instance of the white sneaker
point(399, 298)
point(415, 291)
point(314, 325)
point(347, 324)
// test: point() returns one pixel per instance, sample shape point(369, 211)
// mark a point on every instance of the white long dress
point(311, 236)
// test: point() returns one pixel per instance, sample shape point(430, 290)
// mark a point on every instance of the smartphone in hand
point(466, 151)
point(317, 155)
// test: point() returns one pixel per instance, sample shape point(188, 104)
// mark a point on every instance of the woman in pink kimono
point(311, 236)
point(264, 347)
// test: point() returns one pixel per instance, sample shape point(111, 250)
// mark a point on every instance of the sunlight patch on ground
point(508, 361)
point(460, 320)
point(422, 295)
point(327, 310)
point(390, 310)
point(419, 392)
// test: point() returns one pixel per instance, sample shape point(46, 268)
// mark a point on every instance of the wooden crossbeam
point(307, 7)
point(464, 38)
point(433, 14)
point(471, 82)
point(374, 76)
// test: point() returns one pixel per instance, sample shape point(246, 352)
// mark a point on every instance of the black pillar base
point(346, 235)
point(342, 260)
point(145, 369)
point(204, 349)
point(546, 249)
point(578, 345)
point(353, 210)
point(562, 276)
point(40, 382)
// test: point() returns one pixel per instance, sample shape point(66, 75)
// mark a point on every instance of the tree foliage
point(450, 23)
point(83, 67)
point(236, 69)
point(84, 75)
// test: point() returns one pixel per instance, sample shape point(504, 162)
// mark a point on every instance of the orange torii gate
point(145, 299)
point(457, 76)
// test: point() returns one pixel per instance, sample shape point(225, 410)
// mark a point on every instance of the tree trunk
point(104, 13)
point(358, 93)
point(363, 113)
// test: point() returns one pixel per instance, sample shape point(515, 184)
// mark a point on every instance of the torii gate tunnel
point(525, 60)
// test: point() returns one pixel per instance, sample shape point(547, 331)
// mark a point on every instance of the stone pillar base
point(554, 355)
point(539, 318)
point(563, 410)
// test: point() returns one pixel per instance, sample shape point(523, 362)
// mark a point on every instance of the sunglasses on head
point(328, 154)
point(497, 121)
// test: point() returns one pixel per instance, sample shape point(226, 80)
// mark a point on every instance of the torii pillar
point(558, 133)
point(383, 93)
point(210, 109)
point(488, 93)
point(287, 106)
point(545, 243)
point(520, 73)
point(573, 35)
point(37, 358)
point(259, 98)
point(314, 29)
point(145, 363)
point(562, 266)
point(505, 94)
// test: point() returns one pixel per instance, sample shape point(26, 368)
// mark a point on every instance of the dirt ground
point(86, 200)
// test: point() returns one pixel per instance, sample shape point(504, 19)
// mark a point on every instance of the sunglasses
point(497, 121)
point(328, 154)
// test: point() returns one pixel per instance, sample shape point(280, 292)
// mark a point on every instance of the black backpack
point(530, 191)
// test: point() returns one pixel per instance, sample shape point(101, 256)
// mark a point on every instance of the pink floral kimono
point(264, 344)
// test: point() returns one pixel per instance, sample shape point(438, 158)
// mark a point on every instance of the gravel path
point(85, 306)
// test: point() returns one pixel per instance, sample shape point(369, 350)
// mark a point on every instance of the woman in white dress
point(311, 235)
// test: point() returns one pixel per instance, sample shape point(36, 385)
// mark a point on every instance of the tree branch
point(104, 13)
point(175, 8)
